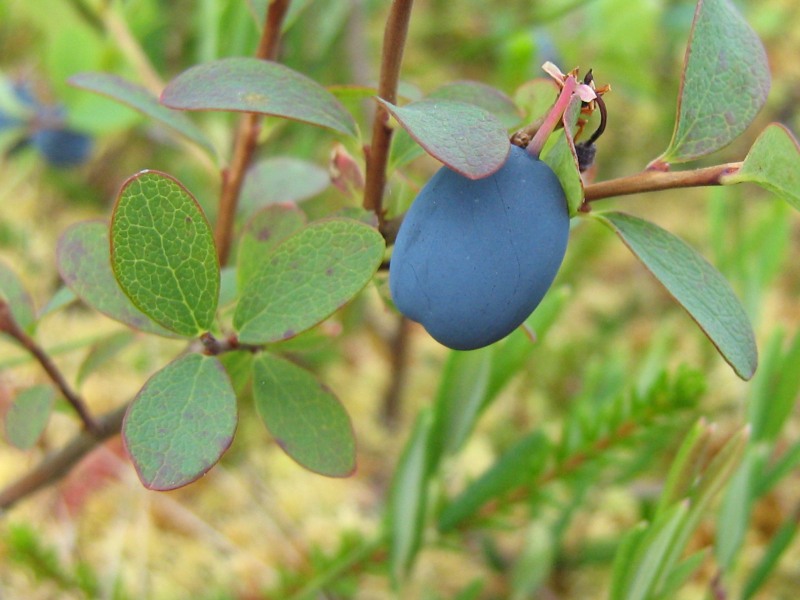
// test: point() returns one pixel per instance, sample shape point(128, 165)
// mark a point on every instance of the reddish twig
point(399, 348)
point(10, 326)
point(246, 138)
point(553, 117)
point(394, 41)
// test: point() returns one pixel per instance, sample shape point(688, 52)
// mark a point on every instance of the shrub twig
point(654, 181)
point(394, 41)
point(246, 138)
point(10, 326)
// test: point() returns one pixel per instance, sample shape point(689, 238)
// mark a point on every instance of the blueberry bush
point(479, 394)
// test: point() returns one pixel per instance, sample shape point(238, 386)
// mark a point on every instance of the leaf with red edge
point(306, 419)
point(465, 137)
point(181, 422)
point(725, 82)
point(482, 95)
point(773, 163)
point(84, 262)
point(257, 86)
point(695, 284)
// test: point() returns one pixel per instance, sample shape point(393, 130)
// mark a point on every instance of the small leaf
point(780, 542)
point(306, 279)
point(460, 398)
point(307, 421)
point(561, 157)
point(733, 515)
point(408, 498)
point(685, 466)
point(181, 422)
point(725, 82)
point(84, 263)
point(773, 163)
point(518, 465)
point(695, 284)
point(653, 550)
point(141, 100)
point(163, 254)
point(239, 367)
point(262, 233)
point(482, 95)
point(102, 352)
point(466, 138)
point(281, 179)
point(257, 86)
point(28, 415)
point(536, 97)
point(64, 296)
point(17, 297)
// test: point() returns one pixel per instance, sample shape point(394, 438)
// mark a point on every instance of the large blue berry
point(473, 258)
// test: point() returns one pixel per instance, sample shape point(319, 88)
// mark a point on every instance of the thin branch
point(394, 41)
point(9, 325)
point(399, 347)
point(654, 181)
point(117, 28)
point(57, 464)
point(246, 138)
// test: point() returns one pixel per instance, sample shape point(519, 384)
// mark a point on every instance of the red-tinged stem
point(553, 117)
point(653, 181)
point(394, 41)
point(246, 138)
point(10, 326)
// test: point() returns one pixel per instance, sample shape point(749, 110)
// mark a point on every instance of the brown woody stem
point(10, 326)
point(653, 181)
point(394, 42)
point(57, 464)
point(246, 138)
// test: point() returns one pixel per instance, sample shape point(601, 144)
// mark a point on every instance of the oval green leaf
point(773, 163)
point(695, 284)
point(257, 86)
point(181, 422)
point(262, 233)
point(163, 254)
point(17, 297)
point(482, 95)
point(725, 82)
point(84, 263)
point(465, 137)
point(306, 279)
point(141, 100)
point(28, 415)
point(307, 421)
point(281, 179)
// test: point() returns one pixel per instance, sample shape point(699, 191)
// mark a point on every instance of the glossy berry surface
point(473, 258)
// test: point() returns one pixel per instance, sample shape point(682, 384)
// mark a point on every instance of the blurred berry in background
point(26, 121)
